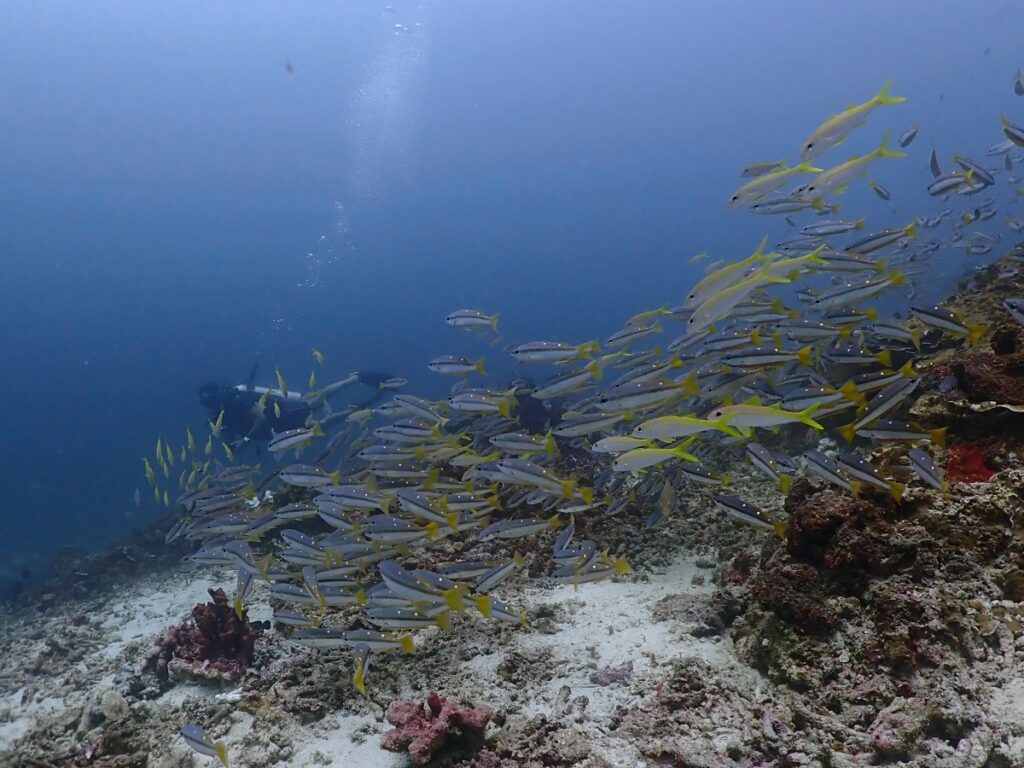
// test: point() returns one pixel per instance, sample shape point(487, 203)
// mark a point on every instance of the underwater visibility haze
point(376, 308)
point(190, 190)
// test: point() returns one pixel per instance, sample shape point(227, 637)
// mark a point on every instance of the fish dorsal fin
point(752, 400)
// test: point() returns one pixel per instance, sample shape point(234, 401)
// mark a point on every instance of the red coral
point(421, 732)
point(965, 463)
point(216, 644)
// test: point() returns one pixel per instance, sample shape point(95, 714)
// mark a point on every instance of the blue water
point(176, 205)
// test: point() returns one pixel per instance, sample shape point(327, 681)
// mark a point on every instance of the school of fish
point(787, 337)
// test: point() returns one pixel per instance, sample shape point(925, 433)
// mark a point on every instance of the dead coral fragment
point(422, 732)
point(993, 376)
point(216, 644)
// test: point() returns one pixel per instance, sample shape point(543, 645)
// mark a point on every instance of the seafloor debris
point(442, 724)
point(215, 645)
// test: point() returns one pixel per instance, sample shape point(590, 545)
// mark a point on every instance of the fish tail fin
point(885, 358)
point(593, 368)
point(690, 386)
point(453, 598)
point(725, 480)
point(589, 348)
point(479, 366)
point(915, 338)
point(938, 436)
point(896, 277)
point(974, 334)
point(907, 369)
point(858, 224)
point(452, 518)
point(494, 322)
point(722, 425)
point(587, 494)
point(845, 331)
point(550, 446)
point(804, 355)
point(883, 151)
point(317, 430)
point(621, 565)
point(759, 251)
point(911, 230)
point(407, 644)
point(896, 490)
point(443, 621)
point(483, 604)
point(847, 431)
point(814, 258)
point(883, 97)
point(784, 482)
point(506, 405)
point(359, 677)
point(805, 416)
point(780, 528)
point(755, 337)
point(222, 751)
point(855, 488)
point(568, 486)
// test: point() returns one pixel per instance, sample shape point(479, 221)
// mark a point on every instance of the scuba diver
point(245, 421)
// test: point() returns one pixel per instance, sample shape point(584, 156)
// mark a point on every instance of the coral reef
point(216, 645)
point(442, 724)
point(965, 463)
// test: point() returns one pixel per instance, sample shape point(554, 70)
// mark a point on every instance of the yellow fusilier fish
point(675, 427)
point(641, 458)
point(189, 440)
point(835, 130)
point(218, 425)
point(791, 267)
point(760, 186)
point(159, 451)
point(837, 177)
point(318, 355)
point(167, 499)
point(277, 409)
point(751, 413)
point(361, 416)
point(281, 385)
point(312, 380)
point(150, 473)
point(169, 454)
point(723, 277)
point(228, 452)
point(640, 317)
point(719, 305)
point(209, 443)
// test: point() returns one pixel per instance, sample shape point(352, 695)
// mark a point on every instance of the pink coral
point(443, 723)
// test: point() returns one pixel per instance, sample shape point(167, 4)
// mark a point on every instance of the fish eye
point(809, 145)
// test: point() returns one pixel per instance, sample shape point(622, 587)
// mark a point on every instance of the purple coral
point(423, 731)
point(216, 643)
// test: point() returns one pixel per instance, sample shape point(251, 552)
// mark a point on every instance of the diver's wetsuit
point(243, 420)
